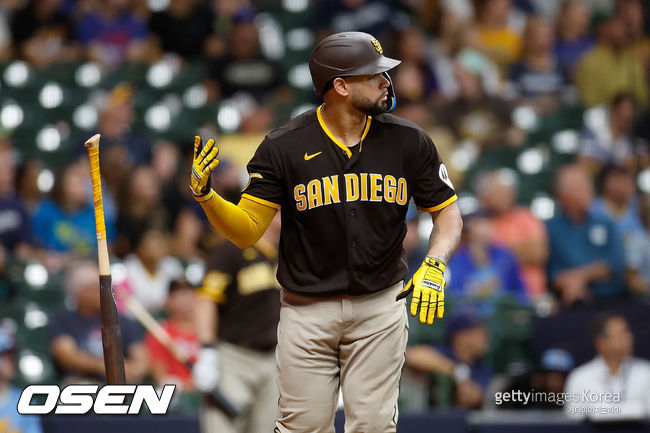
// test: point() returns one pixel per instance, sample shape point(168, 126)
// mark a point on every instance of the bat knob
point(92, 141)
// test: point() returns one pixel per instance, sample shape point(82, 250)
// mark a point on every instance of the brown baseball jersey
point(343, 209)
point(243, 284)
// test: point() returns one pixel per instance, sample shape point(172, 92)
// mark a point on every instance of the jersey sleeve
point(264, 182)
point(433, 189)
point(222, 266)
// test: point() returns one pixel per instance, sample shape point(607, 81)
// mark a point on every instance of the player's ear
point(340, 86)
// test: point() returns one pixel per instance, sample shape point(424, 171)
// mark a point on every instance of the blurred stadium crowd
point(539, 109)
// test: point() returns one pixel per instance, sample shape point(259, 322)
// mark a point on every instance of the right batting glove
point(428, 286)
point(205, 371)
point(204, 163)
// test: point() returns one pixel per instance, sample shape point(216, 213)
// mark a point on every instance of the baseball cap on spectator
point(473, 61)
point(462, 319)
point(244, 15)
point(120, 94)
point(557, 360)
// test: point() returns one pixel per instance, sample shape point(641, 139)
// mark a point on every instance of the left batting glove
point(203, 164)
point(428, 287)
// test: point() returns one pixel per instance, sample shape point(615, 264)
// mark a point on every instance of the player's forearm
point(445, 236)
point(243, 224)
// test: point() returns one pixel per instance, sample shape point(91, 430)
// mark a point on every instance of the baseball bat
point(143, 316)
point(111, 335)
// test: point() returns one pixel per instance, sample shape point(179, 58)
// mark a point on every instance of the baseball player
point(342, 176)
point(239, 303)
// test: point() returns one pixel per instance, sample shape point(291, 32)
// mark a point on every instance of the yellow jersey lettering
point(375, 187)
point(390, 188)
point(314, 195)
point(402, 192)
point(299, 196)
point(364, 186)
point(351, 187)
point(331, 187)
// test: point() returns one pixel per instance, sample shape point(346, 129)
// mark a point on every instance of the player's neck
point(346, 123)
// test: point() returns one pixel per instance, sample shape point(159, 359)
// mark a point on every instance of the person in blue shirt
point(10, 419)
point(15, 230)
point(481, 269)
point(586, 252)
point(462, 358)
point(66, 224)
point(618, 202)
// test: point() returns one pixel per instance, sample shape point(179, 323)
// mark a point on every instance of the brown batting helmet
point(347, 54)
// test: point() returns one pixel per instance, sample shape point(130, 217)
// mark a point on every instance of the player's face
point(369, 93)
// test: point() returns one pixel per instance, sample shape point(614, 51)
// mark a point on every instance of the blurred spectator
point(42, 34)
point(498, 41)
point(475, 116)
point(66, 223)
point(611, 67)
point(586, 256)
point(481, 269)
point(26, 183)
point(185, 224)
point(465, 48)
point(462, 359)
point(638, 252)
point(243, 68)
point(183, 27)
point(180, 325)
point(612, 142)
point(76, 336)
point(113, 34)
point(420, 82)
point(614, 371)
point(6, 51)
point(551, 378)
point(10, 419)
point(140, 208)
point(7, 289)
point(15, 228)
point(150, 269)
point(633, 13)
point(538, 77)
point(516, 227)
point(414, 248)
point(122, 147)
point(367, 16)
point(237, 317)
point(573, 38)
point(618, 202)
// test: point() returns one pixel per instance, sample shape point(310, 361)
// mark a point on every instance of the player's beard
point(368, 106)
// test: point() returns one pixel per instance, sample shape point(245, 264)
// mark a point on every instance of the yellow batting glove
point(204, 163)
point(428, 286)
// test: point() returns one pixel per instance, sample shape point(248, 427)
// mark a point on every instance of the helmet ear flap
point(391, 98)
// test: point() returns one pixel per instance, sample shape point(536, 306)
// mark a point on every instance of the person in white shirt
point(150, 269)
point(614, 385)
